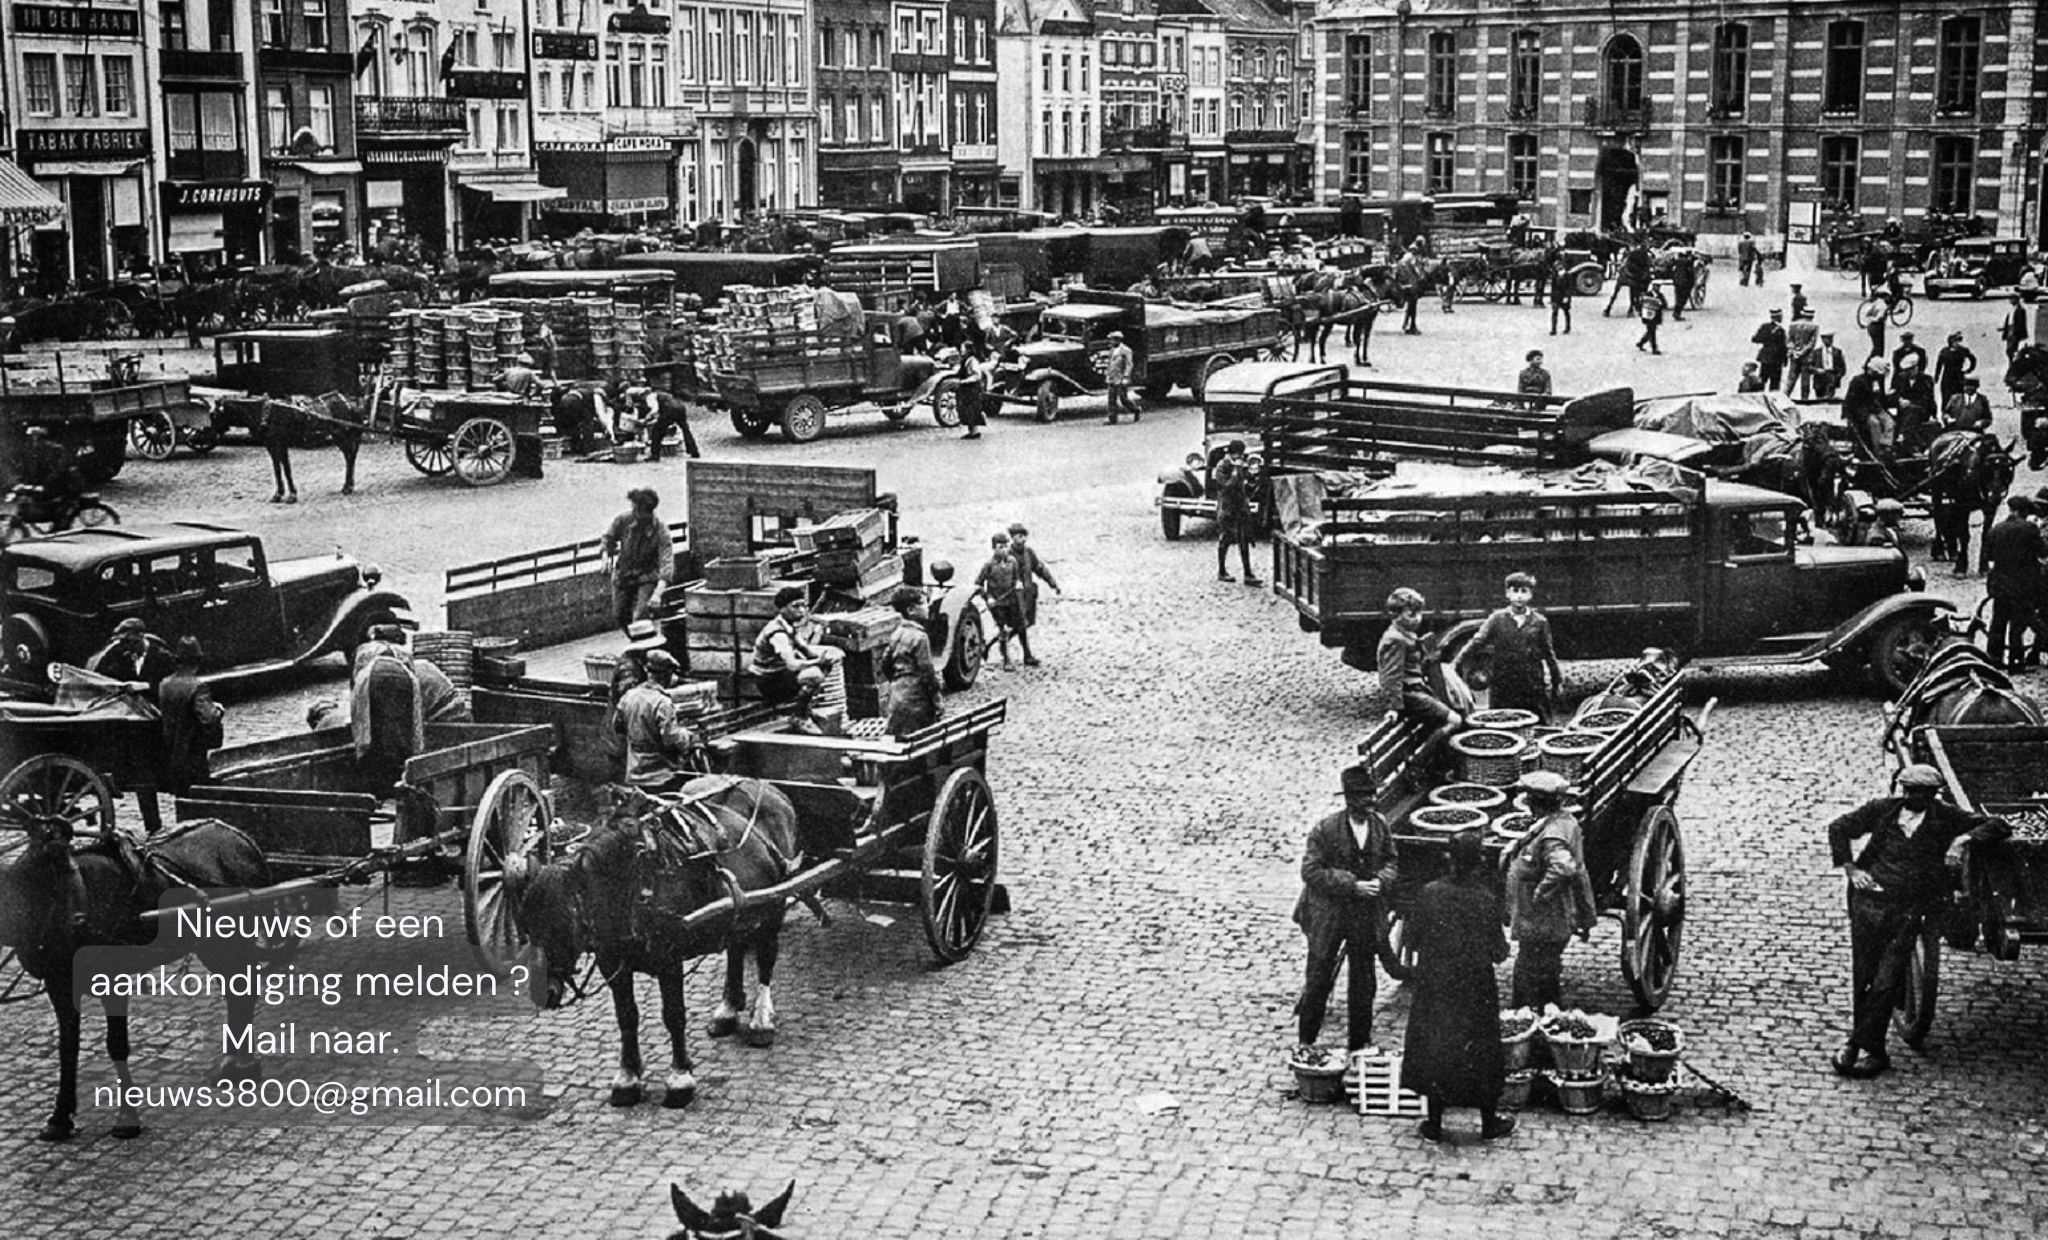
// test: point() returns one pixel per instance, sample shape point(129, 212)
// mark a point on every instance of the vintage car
point(1171, 346)
point(1975, 265)
point(1231, 402)
point(61, 597)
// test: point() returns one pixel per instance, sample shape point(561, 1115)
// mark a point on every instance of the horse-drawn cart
point(1626, 792)
point(2002, 770)
point(882, 818)
point(94, 418)
point(480, 437)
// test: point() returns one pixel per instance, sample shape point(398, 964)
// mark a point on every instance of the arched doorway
point(1615, 174)
point(749, 187)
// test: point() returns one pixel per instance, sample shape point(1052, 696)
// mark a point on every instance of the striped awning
point(23, 203)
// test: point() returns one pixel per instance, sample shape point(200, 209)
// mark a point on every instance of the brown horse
point(1806, 465)
point(1967, 472)
point(627, 895)
point(333, 420)
point(58, 900)
point(1958, 685)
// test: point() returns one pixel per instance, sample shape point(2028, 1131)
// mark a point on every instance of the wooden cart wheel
point(1653, 915)
point(1915, 1014)
point(50, 786)
point(1397, 952)
point(153, 436)
point(945, 407)
point(483, 450)
point(432, 457)
point(1699, 289)
point(960, 853)
point(508, 843)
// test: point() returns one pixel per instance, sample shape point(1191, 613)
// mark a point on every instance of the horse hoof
point(126, 1132)
point(277, 499)
point(723, 1026)
point(677, 1099)
point(628, 1096)
point(348, 490)
point(57, 1130)
point(291, 499)
point(760, 1038)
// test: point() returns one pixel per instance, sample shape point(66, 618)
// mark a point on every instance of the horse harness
point(687, 832)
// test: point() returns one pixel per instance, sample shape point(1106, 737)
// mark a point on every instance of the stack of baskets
point(572, 339)
point(400, 355)
point(1578, 1073)
point(452, 652)
point(480, 334)
point(431, 351)
point(1649, 1073)
point(604, 333)
point(455, 346)
point(632, 351)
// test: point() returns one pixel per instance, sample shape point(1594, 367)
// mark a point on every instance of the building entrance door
point(1616, 174)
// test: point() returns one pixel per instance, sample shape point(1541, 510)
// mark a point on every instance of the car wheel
point(967, 651)
point(1169, 518)
point(1048, 401)
point(1900, 649)
point(803, 418)
point(752, 423)
point(24, 647)
point(945, 406)
point(1209, 368)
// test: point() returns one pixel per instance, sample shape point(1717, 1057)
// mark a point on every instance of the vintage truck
point(1232, 401)
point(1713, 571)
point(796, 378)
point(1171, 346)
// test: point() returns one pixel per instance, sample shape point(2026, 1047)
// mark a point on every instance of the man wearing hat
point(1346, 868)
point(1802, 353)
point(1117, 371)
point(192, 727)
point(1800, 304)
point(642, 638)
point(1951, 366)
point(134, 655)
point(2013, 552)
point(1771, 350)
point(660, 411)
point(1235, 477)
point(1901, 877)
point(1867, 406)
point(1909, 346)
point(660, 749)
point(1830, 367)
point(2012, 330)
point(1968, 410)
point(789, 659)
point(521, 379)
point(1550, 895)
point(386, 717)
point(640, 555)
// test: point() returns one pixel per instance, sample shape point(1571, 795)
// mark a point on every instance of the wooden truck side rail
point(1365, 422)
point(542, 597)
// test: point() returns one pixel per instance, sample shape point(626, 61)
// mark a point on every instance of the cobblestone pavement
point(1155, 781)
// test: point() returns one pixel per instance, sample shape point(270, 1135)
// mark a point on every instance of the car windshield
point(32, 579)
point(1064, 329)
point(1757, 533)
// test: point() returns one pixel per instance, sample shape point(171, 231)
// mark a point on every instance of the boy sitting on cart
point(1412, 676)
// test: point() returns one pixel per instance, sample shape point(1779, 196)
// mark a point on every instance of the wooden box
point(736, 573)
point(709, 602)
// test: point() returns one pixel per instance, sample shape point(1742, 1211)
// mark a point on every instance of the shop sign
point(64, 143)
point(565, 46)
point(406, 155)
point(615, 145)
point(56, 19)
point(637, 20)
point(607, 206)
point(486, 84)
point(179, 197)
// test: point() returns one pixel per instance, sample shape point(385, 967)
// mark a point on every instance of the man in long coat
point(1345, 870)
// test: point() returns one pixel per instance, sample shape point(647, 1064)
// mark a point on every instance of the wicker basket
point(1483, 797)
point(1519, 1053)
point(450, 651)
point(1520, 722)
point(1647, 1100)
point(1446, 819)
point(1651, 1067)
point(1532, 757)
point(1607, 720)
point(598, 668)
point(1490, 757)
point(1320, 1084)
point(1567, 752)
point(1575, 1056)
point(1515, 1090)
point(1513, 825)
point(1578, 1095)
point(496, 647)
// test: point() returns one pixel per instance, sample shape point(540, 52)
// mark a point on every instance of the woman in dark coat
point(1452, 1053)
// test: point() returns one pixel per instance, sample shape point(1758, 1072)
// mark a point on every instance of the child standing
point(1525, 670)
point(999, 582)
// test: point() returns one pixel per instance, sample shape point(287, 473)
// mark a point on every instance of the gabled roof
point(1030, 16)
point(1249, 15)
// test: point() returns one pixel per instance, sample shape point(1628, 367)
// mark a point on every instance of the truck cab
point(1763, 589)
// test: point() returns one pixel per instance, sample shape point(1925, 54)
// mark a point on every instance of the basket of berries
point(1489, 756)
point(1319, 1074)
point(1518, 1039)
point(1576, 1043)
point(1652, 1048)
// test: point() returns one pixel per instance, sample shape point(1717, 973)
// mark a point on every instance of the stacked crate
point(598, 316)
point(401, 358)
point(480, 335)
point(572, 339)
point(723, 626)
point(632, 334)
point(851, 552)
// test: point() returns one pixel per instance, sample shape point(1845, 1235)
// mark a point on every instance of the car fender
point(349, 619)
point(1068, 387)
point(1858, 629)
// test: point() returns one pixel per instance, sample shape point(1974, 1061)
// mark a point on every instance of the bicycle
point(1884, 306)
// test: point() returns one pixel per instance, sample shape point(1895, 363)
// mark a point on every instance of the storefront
point(212, 224)
point(405, 193)
point(97, 174)
point(318, 206)
point(498, 206)
point(858, 180)
point(626, 182)
point(1264, 163)
point(24, 206)
point(926, 186)
point(974, 182)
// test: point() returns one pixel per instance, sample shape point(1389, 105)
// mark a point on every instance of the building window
point(851, 131)
point(273, 23)
point(1962, 46)
point(1442, 83)
point(39, 75)
point(173, 25)
point(1955, 175)
point(1525, 73)
point(475, 140)
point(1624, 74)
point(1066, 72)
point(1045, 130)
point(1259, 65)
point(181, 121)
point(1236, 64)
point(508, 128)
point(1443, 163)
point(959, 37)
point(1280, 120)
point(1522, 166)
point(1842, 88)
point(1258, 111)
point(1731, 68)
point(120, 85)
point(960, 119)
point(1045, 70)
point(1724, 172)
point(875, 59)
point(1086, 60)
point(825, 49)
point(316, 23)
point(614, 85)
point(636, 75)
point(1841, 158)
point(277, 116)
point(220, 121)
point(504, 50)
point(1357, 160)
point(1237, 112)
point(1358, 73)
point(1066, 131)
point(1279, 66)
point(544, 90)
point(319, 114)
point(81, 86)
point(657, 75)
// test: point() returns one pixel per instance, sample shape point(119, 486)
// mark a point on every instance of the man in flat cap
point(1550, 895)
point(134, 655)
point(1771, 350)
point(1346, 870)
point(1899, 879)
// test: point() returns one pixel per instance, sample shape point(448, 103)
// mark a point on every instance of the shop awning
point(517, 191)
point(337, 168)
point(22, 201)
point(89, 168)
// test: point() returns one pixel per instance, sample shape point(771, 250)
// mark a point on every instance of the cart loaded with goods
point(1623, 755)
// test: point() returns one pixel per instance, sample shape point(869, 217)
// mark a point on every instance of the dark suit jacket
point(192, 725)
point(2014, 548)
point(1330, 908)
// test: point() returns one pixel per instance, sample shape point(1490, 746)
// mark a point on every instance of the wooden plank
point(477, 746)
point(307, 830)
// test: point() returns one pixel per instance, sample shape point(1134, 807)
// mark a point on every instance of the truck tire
point(1586, 281)
point(1215, 362)
point(1157, 387)
point(1169, 518)
point(1899, 649)
point(803, 418)
point(1048, 401)
point(751, 423)
point(965, 652)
